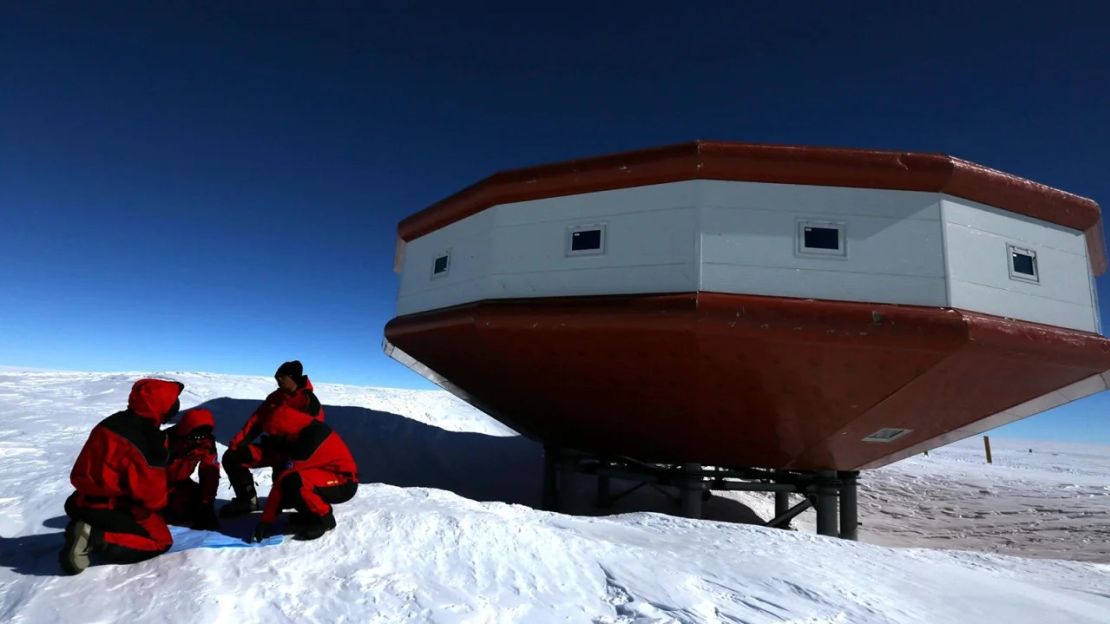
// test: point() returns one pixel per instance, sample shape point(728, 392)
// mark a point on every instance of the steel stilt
point(827, 493)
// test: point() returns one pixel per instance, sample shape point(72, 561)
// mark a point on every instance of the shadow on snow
point(396, 450)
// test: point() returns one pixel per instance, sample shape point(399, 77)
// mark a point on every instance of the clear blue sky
point(187, 186)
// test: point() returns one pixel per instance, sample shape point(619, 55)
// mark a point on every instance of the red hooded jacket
point(312, 446)
point(123, 463)
point(192, 443)
point(302, 399)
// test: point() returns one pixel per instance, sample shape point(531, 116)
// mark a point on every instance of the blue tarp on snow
point(188, 539)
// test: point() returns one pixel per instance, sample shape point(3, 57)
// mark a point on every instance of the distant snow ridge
point(418, 554)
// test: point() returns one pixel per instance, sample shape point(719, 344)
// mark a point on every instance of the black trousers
point(113, 521)
point(292, 488)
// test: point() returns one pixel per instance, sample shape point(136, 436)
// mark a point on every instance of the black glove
point(206, 520)
point(261, 532)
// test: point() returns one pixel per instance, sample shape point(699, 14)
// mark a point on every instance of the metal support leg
point(550, 498)
point(782, 503)
point(603, 497)
point(782, 521)
point(849, 520)
point(692, 489)
point(827, 494)
point(568, 465)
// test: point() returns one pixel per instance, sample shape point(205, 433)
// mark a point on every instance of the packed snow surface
point(441, 531)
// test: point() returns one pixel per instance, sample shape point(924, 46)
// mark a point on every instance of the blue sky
point(187, 186)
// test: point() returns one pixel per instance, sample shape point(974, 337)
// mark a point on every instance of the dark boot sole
point(316, 529)
point(74, 557)
point(233, 510)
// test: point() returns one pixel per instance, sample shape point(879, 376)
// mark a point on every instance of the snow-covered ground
point(417, 544)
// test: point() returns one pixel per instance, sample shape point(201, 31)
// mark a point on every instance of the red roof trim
point(784, 164)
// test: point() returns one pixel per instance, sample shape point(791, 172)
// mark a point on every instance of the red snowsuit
point(192, 444)
point(242, 455)
point(318, 462)
point(120, 475)
point(303, 399)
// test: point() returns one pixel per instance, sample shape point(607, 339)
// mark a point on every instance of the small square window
point(820, 238)
point(586, 240)
point(1022, 264)
point(441, 264)
point(887, 435)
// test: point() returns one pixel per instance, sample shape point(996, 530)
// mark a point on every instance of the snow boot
point(246, 498)
point(300, 519)
point(74, 557)
point(315, 527)
point(204, 519)
point(239, 506)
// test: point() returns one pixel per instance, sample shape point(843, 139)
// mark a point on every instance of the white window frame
point(800, 248)
point(602, 227)
point(1013, 250)
point(446, 253)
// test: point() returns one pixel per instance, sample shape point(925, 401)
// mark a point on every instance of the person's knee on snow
point(319, 463)
point(119, 480)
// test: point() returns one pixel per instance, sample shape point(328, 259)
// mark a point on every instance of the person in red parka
point(294, 392)
point(192, 445)
point(319, 473)
point(120, 482)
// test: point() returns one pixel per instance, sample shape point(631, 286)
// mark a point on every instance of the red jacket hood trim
point(152, 398)
point(192, 420)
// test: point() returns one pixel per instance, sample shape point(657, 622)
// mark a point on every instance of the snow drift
point(419, 544)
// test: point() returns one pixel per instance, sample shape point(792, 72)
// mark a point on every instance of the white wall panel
point(520, 250)
point(767, 237)
point(661, 237)
point(982, 258)
point(959, 211)
point(902, 247)
point(1010, 304)
point(979, 266)
point(587, 205)
point(892, 238)
point(822, 200)
point(468, 240)
point(818, 284)
point(598, 281)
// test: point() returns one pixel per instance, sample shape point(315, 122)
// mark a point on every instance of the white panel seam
point(818, 213)
point(510, 226)
point(824, 270)
point(441, 285)
point(621, 267)
point(1024, 294)
point(944, 254)
point(1035, 243)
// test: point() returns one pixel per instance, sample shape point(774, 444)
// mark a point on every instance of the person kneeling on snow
point(120, 478)
point(295, 392)
point(320, 473)
point(192, 443)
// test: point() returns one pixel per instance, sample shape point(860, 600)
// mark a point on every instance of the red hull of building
point(744, 381)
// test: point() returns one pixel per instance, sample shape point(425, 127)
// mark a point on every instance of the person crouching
point(120, 483)
point(294, 391)
point(320, 473)
point(192, 444)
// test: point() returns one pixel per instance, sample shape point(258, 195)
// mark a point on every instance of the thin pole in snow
point(987, 446)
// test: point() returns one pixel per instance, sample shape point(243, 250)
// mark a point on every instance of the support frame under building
point(832, 494)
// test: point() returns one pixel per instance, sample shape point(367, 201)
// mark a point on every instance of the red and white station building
point(740, 305)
